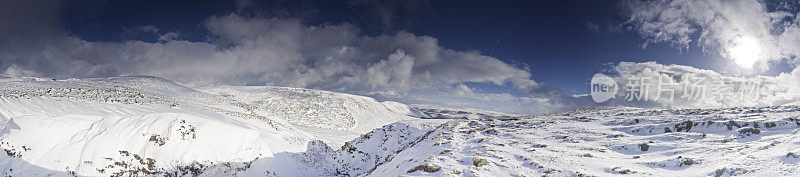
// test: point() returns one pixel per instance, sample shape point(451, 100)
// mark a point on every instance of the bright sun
point(745, 52)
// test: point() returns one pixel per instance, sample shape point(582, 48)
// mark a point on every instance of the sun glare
point(746, 52)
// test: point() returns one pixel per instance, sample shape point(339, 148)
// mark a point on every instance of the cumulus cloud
point(644, 85)
point(169, 36)
point(677, 86)
point(280, 51)
point(462, 90)
point(286, 52)
point(721, 26)
point(258, 50)
point(16, 71)
point(733, 29)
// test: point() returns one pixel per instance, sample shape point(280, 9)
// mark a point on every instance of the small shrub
point(158, 140)
point(622, 171)
point(536, 164)
point(687, 161)
point(425, 167)
point(478, 162)
point(686, 125)
point(490, 131)
point(791, 154)
point(547, 171)
point(644, 146)
point(749, 131)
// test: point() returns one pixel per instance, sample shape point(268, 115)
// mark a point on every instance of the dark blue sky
point(554, 38)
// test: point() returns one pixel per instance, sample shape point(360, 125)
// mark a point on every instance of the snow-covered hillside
point(149, 126)
point(140, 125)
point(330, 116)
point(437, 112)
point(606, 141)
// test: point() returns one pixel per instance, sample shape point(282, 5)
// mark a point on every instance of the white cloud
point(280, 51)
point(721, 26)
point(777, 90)
point(147, 29)
point(400, 66)
point(168, 36)
point(462, 90)
point(735, 29)
point(16, 71)
point(258, 50)
point(339, 57)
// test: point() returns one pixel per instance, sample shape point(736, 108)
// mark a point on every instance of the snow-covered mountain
point(327, 115)
point(149, 126)
point(437, 112)
point(603, 141)
point(140, 125)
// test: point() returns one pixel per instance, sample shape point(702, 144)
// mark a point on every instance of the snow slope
point(83, 143)
point(605, 141)
point(147, 125)
point(315, 108)
point(330, 116)
point(437, 112)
